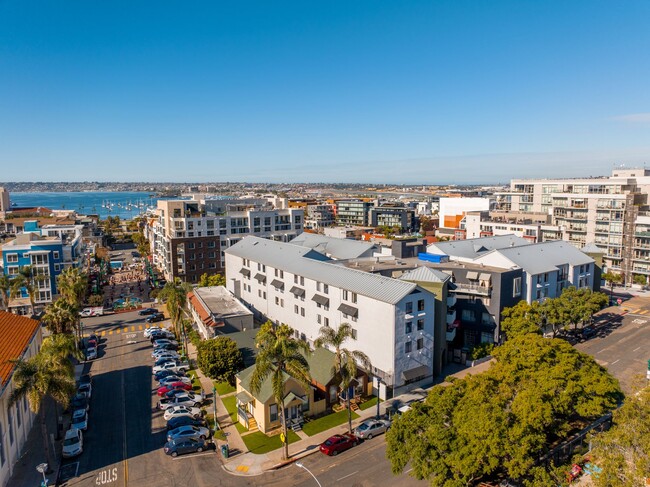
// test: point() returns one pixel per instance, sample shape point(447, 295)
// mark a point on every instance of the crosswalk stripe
point(103, 333)
point(118, 331)
point(110, 332)
point(126, 328)
point(635, 311)
point(133, 328)
point(140, 327)
point(643, 312)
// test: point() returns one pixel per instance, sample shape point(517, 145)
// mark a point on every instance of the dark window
point(409, 308)
point(408, 327)
point(420, 325)
point(420, 304)
point(408, 346)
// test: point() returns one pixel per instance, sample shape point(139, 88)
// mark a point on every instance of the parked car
point(91, 353)
point(79, 401)
point(173, 366)
point(185, 445)
point(155, 318)
point(188, 431)
point(168, 373)
point(86, 389)
point(170, 379)
point(338, 443)
point(147, 311)
point(164, 341)
point(184, 421)
point(73, 443)
point(589, 332)
point(371, 427)
point(149, 330)
point(177, 411)
point(85, 379)
point(170, 347)
point(185, 399)
point(166, 356)
point(160, 333)
point(80, 419)
point(174, 386)
point(174, 392)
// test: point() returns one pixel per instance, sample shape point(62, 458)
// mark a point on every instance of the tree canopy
point(208, 280)
point(220, 359)
point(503, 420)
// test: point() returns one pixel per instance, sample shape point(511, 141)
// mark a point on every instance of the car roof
point(71, 433)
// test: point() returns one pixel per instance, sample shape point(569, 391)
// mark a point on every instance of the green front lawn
point(259, 443)
point(326, 422)
point(369, 403)
point(196, 382)
point(224, 388)
point(231, 405)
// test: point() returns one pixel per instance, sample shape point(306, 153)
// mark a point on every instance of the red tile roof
point(204, 314)
point(16, 333)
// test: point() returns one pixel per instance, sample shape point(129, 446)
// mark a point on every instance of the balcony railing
point(472, 289)
point(451, 317)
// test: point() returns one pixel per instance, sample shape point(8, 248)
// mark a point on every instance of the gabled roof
point(425, 274)
point(475, 247)
point(336, 248)
point(313, 265)
point(592, 248)
point(16, 333)
point(545, 256)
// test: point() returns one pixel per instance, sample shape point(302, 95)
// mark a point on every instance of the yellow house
point(262, 411)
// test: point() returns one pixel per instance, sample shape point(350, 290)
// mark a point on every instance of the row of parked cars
point(187, 431)
point(73, 443)
point(365, 431)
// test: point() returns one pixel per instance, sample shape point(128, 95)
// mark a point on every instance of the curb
point(293, 459)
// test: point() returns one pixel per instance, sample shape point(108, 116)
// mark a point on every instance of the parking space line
point(183, 457)
point(615, 361)
point(346, 476)
point(636, 349)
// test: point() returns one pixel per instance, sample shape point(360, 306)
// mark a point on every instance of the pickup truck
point(171, 366)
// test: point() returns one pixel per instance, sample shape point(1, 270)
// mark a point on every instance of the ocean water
point(124, 204)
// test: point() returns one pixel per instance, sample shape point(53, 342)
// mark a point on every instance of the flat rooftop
point(221, 303)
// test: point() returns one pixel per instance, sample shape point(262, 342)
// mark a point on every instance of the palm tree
point(280, 355)
point(23, 280)
point(175, 295)
point(72, 285)
point(5, 287)
point(61, 317)
point(46, 374)
point(345, 360)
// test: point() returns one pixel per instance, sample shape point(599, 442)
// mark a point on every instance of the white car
point(167, 357)
point(371, 427)
point(164, 341)
point(86, 388)
point(161, 352)
point(91, 353)
point(187, 399)
point(173, 366)
point(178, 411)
point(148, 331)
point(174, 378)
point(80, 419)
point(73, 444)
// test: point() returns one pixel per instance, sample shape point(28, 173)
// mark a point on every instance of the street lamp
point(42, 468)
point(299, 464)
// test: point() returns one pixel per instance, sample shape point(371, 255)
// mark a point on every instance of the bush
point(639, 279)
point(96, 300)
point(220, 359)
point(481, 351)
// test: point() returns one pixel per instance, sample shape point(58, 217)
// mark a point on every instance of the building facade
point(393, 216)
point(393, 320)
point(353, 212)
point(320, 216)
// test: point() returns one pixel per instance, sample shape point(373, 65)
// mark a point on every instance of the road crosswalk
point(120, 329)
point(639, 311)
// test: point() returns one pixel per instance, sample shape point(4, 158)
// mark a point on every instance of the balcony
point(451, 300)
point(451, 317)
point(463, 288)
point(451, 334)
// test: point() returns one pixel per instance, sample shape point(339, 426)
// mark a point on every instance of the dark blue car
point(148, 311)
point(184, 421)
point(185, 445)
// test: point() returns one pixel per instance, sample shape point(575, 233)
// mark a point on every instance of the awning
point(322, 300)
point(296, 291)
point(484, 276)
point(260, 277)
point(291, 397)
point(277, 284)
point(472, 275)
point(244, 397)
point(420, 371)
point(348, 310)
point(245, 272)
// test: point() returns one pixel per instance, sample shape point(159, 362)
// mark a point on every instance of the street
point(123, 444)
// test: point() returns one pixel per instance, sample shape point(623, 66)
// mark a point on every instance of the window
point(468, 315)
point(326, 288)
point(408, 346)
point(420, 304)
point(318, 286)
point(486, 319)
point(302, 311)
point(326, 321)
point(487, 337)
point(420, 344)
point(13, 270)
point(354, 297)
point(319, 318)
point(19, 418)
point(190, 245)
point(354, 334)
point(13, 258)
point(273, 412)
point(55, 254)
point(57, 267)
point(516, 287)
point(420, 325)
point(409, 308)
point(345, 294)
point(408, 327)
point(295, 309)
point(10, 418)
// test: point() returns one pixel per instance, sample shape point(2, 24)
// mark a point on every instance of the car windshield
point(364, 426)
point(70, 441)
point(78, 419)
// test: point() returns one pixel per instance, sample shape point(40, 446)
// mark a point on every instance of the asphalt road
point(623, 345)
point(123, 444)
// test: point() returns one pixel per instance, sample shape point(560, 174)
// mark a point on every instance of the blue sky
point(442, 91)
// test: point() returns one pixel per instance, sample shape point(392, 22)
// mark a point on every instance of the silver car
point(371, 427)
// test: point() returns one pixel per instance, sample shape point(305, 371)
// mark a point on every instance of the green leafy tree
point(623, 452)
point(613, 279)
point(61, 317)
point(345, 360)
point(72, 285)
point(639, 279)
point(49, 373)
point(502, 421)
point(521, 318)
point(279, 355)
point(207, 280)
point(5, 287)
point(175, 296)
point(96, 300)
point(220, 359)
point(577, 306)
point(25, 280)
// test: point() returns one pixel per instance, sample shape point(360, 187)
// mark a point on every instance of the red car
point(338, 443)
point(174, 385)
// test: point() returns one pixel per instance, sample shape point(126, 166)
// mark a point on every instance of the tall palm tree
point(280, 355)
point(61, 317)
point(44, 375)
point(24, 280)
point(72, 285)
point(175, 295)
point(5, 287)
point(345, 360)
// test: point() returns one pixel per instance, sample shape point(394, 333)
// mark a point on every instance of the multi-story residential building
point(20, 338)
point(353, 212)
point(610, 212)
point(188, 237)
point(336, 248)
point(393, 216)
point(320, 216)
point(393, 320)
point(48, 251)
point(453, 210)
point(534, 227)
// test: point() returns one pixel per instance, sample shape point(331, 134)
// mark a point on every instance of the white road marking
point(637, 348)
point(194, 455)
point(601, 351)
point(348, 475)
point(615, 361)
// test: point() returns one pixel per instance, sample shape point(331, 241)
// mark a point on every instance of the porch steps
point(296, 426)
point(252, 424)
point(354, 406)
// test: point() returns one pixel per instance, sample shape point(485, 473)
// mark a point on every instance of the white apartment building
point(452, 210)
point(393, 320)
point(188, 237)
point(320, 216)
point(607, 211)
